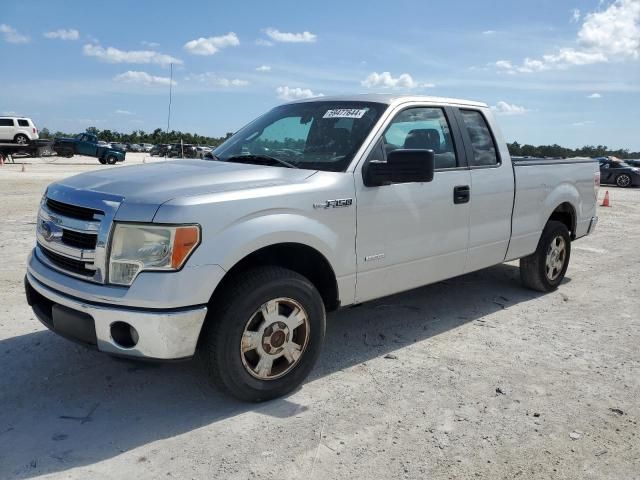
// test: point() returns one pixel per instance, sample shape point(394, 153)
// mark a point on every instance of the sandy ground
point(474, 377)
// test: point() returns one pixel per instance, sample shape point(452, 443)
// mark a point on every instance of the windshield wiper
point(249, 158)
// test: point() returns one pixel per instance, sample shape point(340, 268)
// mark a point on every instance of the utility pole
point(170, 91)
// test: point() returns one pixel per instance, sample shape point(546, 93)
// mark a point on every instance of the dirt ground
point(470, 378)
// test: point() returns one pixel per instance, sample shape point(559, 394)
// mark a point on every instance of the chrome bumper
point(162, 334)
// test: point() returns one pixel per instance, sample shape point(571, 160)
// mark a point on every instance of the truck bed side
point(541, 187)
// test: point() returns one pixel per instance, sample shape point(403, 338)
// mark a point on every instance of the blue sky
point(555, 71)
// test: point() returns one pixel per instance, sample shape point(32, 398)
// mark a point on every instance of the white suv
point(17, 129)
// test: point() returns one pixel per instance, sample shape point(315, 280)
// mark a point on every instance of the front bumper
point(161, 334)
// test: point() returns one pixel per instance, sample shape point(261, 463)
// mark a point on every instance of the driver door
point(413, 234)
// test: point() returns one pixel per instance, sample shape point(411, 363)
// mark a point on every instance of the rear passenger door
point(492, 190)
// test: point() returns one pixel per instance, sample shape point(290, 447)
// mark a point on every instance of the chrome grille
point(73, 230)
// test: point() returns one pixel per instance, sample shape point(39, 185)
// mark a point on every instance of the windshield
point(311, 135)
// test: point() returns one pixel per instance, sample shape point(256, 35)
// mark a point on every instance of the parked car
point(87, 144)
point(119, 146)
point(158, 150)
point(182, 151)
point(20, 130)
point(618, 172)
point(146, 147)
point(202, 151)
point(242, 256)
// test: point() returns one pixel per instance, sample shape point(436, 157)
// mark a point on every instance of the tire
point(111, 160)
point(102, 161)
point(21, 139)
point(544, 269)
point(238, 336)
point(623, 180)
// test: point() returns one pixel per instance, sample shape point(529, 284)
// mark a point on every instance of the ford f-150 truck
point(87, 144)
point(315, 205)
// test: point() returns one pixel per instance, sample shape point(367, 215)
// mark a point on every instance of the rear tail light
point(35, 130)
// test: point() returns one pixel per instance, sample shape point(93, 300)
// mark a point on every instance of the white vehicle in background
point(20, 130)
point(316, 205)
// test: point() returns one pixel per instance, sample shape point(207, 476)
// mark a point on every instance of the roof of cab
point(390, 98)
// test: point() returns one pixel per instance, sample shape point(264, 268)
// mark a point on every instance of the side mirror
point(402, 166)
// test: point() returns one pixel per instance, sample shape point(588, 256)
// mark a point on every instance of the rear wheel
point(544, 269)
point(265, 335)
point(623, 180)
point(21, 139)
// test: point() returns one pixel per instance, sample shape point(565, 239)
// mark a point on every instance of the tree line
point(140, 136)
point(161, 136)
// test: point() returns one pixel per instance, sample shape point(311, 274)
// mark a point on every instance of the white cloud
point(504, 64)
point(113, 55)
point(489, 32)
point(583, 123)
point(604, 36)
point(295, 93)
point(263, 68)
point(575, 15)
point(211, 45)
point(149, 44)
point(211, 78)
point(123, 112)
point(142, 78)
point(594, 95)
point(63, 34)
point(264, 43)
point(385, 80)
point(504, 108)
point(11, 35)
point(287, 37)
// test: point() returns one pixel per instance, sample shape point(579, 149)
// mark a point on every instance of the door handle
point(461, 194)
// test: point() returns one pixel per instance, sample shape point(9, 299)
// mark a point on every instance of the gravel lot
point(469, 378)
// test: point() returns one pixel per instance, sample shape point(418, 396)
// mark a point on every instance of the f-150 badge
point(338, 203)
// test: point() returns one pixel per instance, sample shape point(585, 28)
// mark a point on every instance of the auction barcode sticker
point(345, 113)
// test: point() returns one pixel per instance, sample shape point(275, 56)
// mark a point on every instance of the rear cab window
point(23, 123)
point(482, 142)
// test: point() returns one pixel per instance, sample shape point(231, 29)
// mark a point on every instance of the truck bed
point(541, 184)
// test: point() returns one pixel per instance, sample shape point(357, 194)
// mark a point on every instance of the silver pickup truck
point(315, 205)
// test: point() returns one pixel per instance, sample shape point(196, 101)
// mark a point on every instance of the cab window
point(484, 148)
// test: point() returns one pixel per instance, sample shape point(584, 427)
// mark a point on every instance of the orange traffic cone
point(605, 202)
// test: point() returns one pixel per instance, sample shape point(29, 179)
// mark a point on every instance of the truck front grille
point(73, 238)
point(72, 211)
point(79, 239)
point(75, 266)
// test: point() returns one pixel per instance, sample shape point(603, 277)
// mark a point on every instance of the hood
point(146, 187)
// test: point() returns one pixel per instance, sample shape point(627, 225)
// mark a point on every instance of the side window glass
point(484, 150)
point(422, 128)
point(23, 123)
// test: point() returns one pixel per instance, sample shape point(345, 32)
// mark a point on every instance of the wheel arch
point(565, 213)
point(298, 257)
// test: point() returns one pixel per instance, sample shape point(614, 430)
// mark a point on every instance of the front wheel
point(544, 269)
point(264, 336)
point(102, 161)
point(623, 180)
point(111, 159)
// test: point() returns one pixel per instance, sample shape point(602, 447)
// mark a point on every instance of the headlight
point(135, 248)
